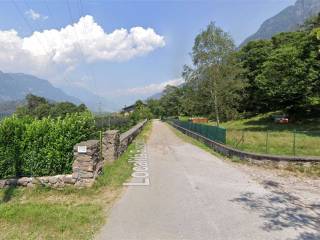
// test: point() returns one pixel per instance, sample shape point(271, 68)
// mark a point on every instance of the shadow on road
point(282, 210)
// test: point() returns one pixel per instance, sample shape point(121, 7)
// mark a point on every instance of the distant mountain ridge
point(156, 96)
point(15, 86)
point(287, 20)
point(95, 102)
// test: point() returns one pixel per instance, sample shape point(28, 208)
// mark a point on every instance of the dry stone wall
point(111, 143)
point(127, 137)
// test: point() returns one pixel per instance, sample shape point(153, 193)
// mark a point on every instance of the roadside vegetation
point(105, 121)
point(260, 134)
point(244, 89)
point(38, 139)
point(225, 83)
point(312, 170)
point(69, 213)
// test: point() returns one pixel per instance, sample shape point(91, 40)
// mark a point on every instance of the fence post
point(294, 143)
point(100, 147)
point(242, 137)
point(267, 140)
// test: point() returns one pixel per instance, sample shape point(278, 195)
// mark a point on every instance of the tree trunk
point(216, 107)
point(215, 99)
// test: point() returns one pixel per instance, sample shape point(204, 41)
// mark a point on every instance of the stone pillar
point(86, 159)
point(110, 145)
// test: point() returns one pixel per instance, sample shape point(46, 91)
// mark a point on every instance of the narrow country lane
point(194, 195)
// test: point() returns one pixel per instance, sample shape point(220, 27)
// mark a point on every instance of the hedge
point(30, 147)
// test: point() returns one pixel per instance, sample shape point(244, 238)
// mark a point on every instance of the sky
point(120, 50)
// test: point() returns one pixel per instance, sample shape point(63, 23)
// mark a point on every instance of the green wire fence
point(274, 142)
point(213, 133)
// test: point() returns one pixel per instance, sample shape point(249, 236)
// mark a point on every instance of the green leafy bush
point(41, 147)
point(11, 136)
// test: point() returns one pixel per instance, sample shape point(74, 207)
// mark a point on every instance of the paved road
point(194, 195)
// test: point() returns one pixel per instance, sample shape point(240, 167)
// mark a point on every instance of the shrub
point(41, 147)
point(11, 135)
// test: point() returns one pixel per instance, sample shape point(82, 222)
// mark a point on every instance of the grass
point(194, 142)
point(313, 170)
point(260, 134)
point(69, 213)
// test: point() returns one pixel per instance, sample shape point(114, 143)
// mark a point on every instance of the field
point(261, 135)
point(44, 213)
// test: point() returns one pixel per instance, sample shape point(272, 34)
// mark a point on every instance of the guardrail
point(231, 152)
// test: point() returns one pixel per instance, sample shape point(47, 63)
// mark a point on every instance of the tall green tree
point(171, 101)
point(252, 57)
point(215, 67)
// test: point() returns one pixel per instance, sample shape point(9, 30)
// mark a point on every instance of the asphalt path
point(195, 195)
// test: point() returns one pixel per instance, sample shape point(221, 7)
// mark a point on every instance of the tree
point(140, 112)
point(34, 101)
point(155, 107)
point(283, 80)
point(283, 73)
point(216, 69)
point(61, 109)
point(171, 101)
point(252, 57)
point(40, 107)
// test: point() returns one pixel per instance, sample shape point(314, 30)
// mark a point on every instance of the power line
point(78, 43)
point(28, 24)
point(46, 52)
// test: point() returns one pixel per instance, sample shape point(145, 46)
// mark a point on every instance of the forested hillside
point(280, 74)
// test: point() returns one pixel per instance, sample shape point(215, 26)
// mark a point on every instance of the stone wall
point(231, 152)
point(110, 145)
point(57, 181)
point(127, 137)
point(87, 163)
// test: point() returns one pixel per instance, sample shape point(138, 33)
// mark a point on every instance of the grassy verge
point(313, 170)
point(195, 142)
point(69, 213)
point(260, 134)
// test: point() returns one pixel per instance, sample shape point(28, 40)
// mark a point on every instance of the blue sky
point(151, 62)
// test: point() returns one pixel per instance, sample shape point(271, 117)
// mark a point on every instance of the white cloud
point(32, 14)
point(63, 49)
point(151, 88)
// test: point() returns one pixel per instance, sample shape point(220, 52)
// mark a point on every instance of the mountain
point(156, 96)
point(94, 102)
point(15, 86)
point(287, 20)
point(9, 107)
